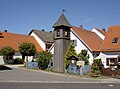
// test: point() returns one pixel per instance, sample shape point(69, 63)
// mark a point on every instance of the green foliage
point(7, 53)
point(95, 69)
point(97, 61)
point(84, 56)
point(71, 51)
point(27, 49)
point(43, 59)
point(18, 61)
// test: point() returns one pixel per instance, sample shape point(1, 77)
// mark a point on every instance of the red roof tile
point(92, 40)
point(13, 40)
point(108, 45)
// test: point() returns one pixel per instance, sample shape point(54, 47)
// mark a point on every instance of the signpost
point(81, 64)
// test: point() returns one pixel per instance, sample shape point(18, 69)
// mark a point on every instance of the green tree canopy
point(84, 56)
point(71, 51)
point(7, 50)
point(43, 59)
point(7, 53)
point(27, 49)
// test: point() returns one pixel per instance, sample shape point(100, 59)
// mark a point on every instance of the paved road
point(6, 85)
point(28, 76)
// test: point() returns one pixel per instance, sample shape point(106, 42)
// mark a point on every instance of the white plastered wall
point(104, 55)
point(80, 45)
point(40, 42)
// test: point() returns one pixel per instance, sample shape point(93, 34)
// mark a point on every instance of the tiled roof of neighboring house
point(112, 39)
point(89, 38)
point(101, 31)
point(14, 40)
point(62, 21)
point(46, 37)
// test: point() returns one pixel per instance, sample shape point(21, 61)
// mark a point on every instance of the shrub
point(97, 61)
point(7, 53)
point(43, 59)
point(70, 52)
point(18, 61)
point(84, 56)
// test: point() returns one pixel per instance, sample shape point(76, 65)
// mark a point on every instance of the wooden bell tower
point(62, 41)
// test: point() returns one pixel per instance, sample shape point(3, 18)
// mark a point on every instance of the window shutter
point(116, 62)
point(107, 61)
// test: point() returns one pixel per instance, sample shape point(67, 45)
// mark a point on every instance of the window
point(66, 34)
point(118, 59)
point(111, 61)
point(115, 40)
point(48, 46)
point(58, 33)
point(75, 42)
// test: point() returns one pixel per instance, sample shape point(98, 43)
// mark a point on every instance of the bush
point(18, 61)
point(97, 61)
point(43, 59)
point(7, 53)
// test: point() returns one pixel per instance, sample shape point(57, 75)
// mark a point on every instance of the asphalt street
point(58, 86)
point(15, 74)
point(20, 78)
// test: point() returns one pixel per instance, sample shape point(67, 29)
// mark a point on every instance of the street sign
point(80, 63)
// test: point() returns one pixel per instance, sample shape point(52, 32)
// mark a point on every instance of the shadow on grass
point(2, 67)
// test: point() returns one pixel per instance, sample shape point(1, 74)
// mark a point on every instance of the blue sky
point(21, 16)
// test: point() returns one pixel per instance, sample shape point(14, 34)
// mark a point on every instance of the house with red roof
point(99, 43)
point(110, 48)
point(91, 40)
point(44, 38)
point(13, 40)
point(87, 39)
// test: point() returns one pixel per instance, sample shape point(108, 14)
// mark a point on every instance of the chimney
point(50, 31)
point(81, 26)
point(43, 30)
point(103, 29)
point(5, 30)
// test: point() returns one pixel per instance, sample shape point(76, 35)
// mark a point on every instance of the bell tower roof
point(62, 21)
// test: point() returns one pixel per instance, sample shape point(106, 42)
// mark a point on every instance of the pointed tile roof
point(91, 39)
point(108, 44)
point(62, 21)
point(13, 40)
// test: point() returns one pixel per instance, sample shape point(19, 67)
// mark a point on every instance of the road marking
point(111, 85)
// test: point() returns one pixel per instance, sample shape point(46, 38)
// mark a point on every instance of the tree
point(43, 59)
point(7, 53)
point(71, 51)
point(27, 49)
point(84, 56)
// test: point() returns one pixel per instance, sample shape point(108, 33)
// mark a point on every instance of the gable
point(112, 39)
point(46, 37)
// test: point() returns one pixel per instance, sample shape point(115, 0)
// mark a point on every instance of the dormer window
point(115, 40)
